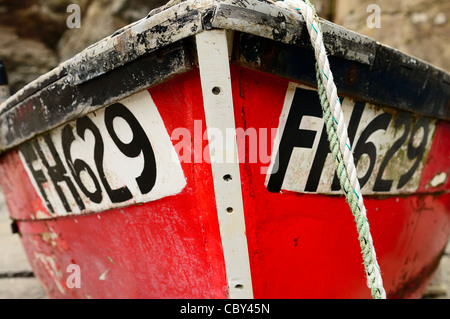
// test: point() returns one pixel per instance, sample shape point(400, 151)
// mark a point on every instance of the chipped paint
point(103, 274)
point(41, 110)
point(174, 237)
point(438, 179)
point(52, 269)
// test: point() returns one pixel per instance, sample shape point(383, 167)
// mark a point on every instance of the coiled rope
point(339, 143)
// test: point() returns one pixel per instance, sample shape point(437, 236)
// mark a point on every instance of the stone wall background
point(417, 27)
point(34, 36)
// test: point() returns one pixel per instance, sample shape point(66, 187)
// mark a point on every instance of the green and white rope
point(339, 143)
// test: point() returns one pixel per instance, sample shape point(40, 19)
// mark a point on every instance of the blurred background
point(34, 38)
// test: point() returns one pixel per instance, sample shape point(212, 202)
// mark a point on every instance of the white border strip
point(215, 77)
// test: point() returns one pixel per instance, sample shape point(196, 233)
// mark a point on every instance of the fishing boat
point(185, 156)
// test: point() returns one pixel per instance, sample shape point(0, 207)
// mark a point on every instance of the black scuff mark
point(279, 31)
point(208, 17)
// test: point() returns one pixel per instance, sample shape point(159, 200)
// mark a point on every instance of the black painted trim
point(393, 80)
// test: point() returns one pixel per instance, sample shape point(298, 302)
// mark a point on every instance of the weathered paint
point(4, 87)
point(438, 179)
point(298, 241)
point(168, 248)
point(173, 247)
point(390, 148)
point(393, 79)
point(144, 36)
point(149, 51)
point(113, 157)
point(37, 109)
point(438, 161)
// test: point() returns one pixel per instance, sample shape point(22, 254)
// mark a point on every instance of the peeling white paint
point(51, 268)
point(438, 179)
point(214, 66)
point(103, 274)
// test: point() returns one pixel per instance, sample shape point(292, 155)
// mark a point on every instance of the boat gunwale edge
point(272, 22)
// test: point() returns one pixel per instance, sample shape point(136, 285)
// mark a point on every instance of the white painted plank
point(218, 103)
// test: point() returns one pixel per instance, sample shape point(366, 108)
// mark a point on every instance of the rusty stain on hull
point(409, 286)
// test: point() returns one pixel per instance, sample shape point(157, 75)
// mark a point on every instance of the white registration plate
point(389, 148)
point(115, 156)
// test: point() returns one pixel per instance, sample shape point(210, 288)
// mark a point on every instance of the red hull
point(300, 245)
